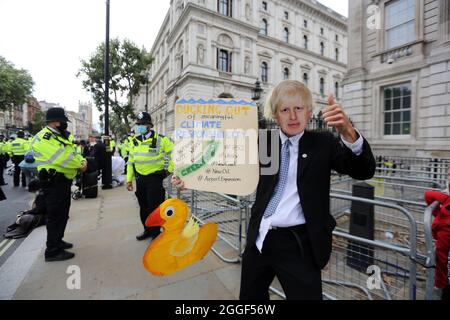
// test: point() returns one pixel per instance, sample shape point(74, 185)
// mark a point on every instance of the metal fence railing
point(402, 247)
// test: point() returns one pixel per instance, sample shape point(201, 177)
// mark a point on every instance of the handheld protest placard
point(216, 145)
point(180, 244)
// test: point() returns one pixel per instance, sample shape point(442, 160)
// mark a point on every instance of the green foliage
point(16, 85)
point(127, 62)
point(38, 122)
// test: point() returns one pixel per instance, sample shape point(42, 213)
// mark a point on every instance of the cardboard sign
point(216, 145)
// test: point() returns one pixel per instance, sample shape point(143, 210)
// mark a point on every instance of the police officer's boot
point(60, 256)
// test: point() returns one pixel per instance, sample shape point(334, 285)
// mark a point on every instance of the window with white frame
point(264, 5)
point(225, 7)
point(322, 48)
point(305, 79)
point(264, 27)
point(336, 90)
point(286, 73)
point(322, 86)
point(305, 42)
point(264, 72)
point(337, 54)
point(400, 22)
point(397, 109)
point(286, 35)
point(224, 60)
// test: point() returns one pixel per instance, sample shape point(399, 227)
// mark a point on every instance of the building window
point(336, 90)
point(264, 27)
point(337, 54)
point(305, 79)
point(322, 86)
point(305, 23)
point(337, 38)
point(397, 109)
point(264, 5)
point(322, 48)
point(286, 15)
point(224, 60)
point(305, 42)
point(400, 22)
point(286, 35)
point(264, 72)
point(225, 7)
point(286, 74)
point(321, 31)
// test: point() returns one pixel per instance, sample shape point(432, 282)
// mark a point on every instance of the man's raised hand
point(334, 116)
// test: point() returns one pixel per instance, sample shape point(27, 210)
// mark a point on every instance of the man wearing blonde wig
point(290, 229)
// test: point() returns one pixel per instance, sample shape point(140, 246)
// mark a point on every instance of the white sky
point(49, 37)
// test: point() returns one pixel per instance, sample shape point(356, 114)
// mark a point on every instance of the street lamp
point(256, 96)
point(145, 78)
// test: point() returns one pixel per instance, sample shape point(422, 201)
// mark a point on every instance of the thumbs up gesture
point(334, 116)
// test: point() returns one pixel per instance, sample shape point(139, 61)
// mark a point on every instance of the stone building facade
point(397, 90)
point(219, 48)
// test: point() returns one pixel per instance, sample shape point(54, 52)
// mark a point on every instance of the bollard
point(362, 224)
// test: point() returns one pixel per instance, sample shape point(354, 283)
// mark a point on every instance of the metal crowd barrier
point(228, 212)
point(401, 240)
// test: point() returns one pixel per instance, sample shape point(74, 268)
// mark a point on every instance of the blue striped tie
point(279, 189)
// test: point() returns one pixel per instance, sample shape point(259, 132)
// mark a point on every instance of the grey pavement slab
point(103, 231)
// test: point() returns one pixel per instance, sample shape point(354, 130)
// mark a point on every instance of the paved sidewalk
point(103, 231)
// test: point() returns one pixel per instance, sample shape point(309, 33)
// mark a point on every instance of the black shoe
point(61, 256)
point(107, 187)
point(66, 245)
point(144, 235)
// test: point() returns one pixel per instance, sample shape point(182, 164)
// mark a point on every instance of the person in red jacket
point(441, 233)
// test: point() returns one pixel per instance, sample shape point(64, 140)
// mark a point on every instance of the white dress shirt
point(289, 211)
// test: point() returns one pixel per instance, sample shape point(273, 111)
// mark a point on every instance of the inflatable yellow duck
point(180, 244)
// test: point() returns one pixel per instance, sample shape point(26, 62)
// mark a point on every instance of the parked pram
point(87, 182)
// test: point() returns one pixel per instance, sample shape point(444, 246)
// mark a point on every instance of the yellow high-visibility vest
point(18, 147)
point(150, 154)
point(53, 151)
point(4, 148)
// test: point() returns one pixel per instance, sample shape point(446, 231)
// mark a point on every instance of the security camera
point(390, 61)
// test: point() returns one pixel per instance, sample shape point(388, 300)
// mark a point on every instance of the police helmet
point(56, 115)
point(143, 118)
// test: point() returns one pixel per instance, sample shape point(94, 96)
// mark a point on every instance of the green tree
point(16, 85)
point(127, 63)
point(38, 122)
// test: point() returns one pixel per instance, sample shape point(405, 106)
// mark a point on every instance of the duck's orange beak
point(154, 219)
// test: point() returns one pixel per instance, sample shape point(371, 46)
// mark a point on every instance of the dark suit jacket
point(324, 153)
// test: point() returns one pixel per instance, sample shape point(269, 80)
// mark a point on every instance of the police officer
point(150, 161)
point(17, 150)
point(58, 163)
point(4, 158)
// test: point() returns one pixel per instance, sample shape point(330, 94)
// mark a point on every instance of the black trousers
point(150, 194)
point(57, 201)
point(17, 160)
point(2, 169)
point(286, 254)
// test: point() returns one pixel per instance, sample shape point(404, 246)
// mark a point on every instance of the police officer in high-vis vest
point(4, 158)
point(17, 149)
point(150, 162)
point(58, 163)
